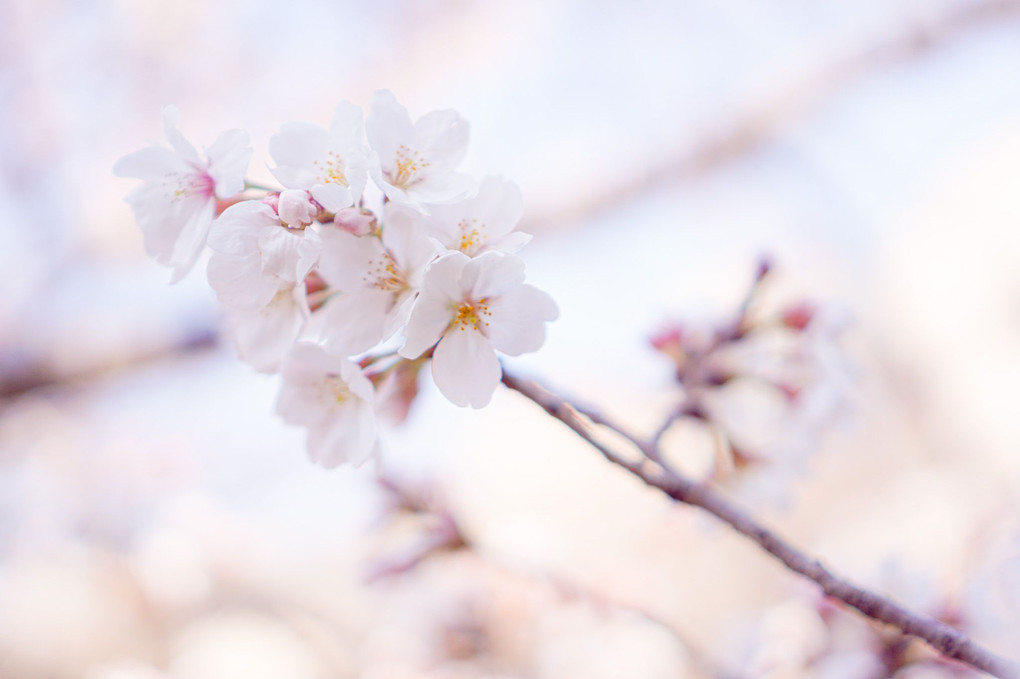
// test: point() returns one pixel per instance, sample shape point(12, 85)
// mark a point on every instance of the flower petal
point(492, 273)
point(183, 147)
point(228, 158)
point(465, 368)
point(518, 320)
point(356, 321)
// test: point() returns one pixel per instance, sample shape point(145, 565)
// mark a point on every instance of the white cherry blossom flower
point(482, 223)
point(330, 164)
point(332, 398)
point(376, 279)
point(257, 270)
point(177, 201)
point(417, 161)
point(473, 308)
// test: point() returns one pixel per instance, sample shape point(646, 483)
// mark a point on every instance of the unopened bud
point(799, 316)
point(356, 221)
point(297, 209)
point(273, 201)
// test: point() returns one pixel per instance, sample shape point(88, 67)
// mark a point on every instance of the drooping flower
point(375, 279)
point(417, 161)
point(257, 270)
point(482, 223)
point(330, 164)
point(177, 201)
point(473, 308)
point(332, 398)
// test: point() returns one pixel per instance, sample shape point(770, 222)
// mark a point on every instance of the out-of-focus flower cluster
point(349, 302)
point(764, 384)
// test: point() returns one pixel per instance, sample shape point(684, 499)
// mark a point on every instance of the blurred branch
point(754, 128)
point(947, 640)
point(19, 379)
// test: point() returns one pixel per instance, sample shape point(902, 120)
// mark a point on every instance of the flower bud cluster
point(316, 285)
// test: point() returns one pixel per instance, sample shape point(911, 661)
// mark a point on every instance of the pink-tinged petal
point(239, 283)
point(333, 197)
point(346, 259)
point(445, 276)
point(350, 438)
point(308, 253)
point(512, 242)
point(518, 320)
point(191, 238)
point(355, 322)
point(465, 368)
point(183, 147)
point(491, 274)
point(437, 188)
point(264, 336)
point(387, 127)
point(153, 163)
point(410, 248)
point(295, 149)
point(237, 230)
point(443, 137)
point(430, 317)
point(228, 158)
point(279, 249)
point(499, 205)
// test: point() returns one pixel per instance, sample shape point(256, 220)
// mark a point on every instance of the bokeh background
point(157, 520)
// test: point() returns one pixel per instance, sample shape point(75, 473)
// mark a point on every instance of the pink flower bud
point(296, 208)
point(799, 317)
point(273, 201)
point(356, 221)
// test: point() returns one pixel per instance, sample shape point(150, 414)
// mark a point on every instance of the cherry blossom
point(473, 308)
point(416, 162)
point(257, 270)
point(176, 203)
point(482, 223)
point(332, 398)
point(375, 278)
point(330, 164)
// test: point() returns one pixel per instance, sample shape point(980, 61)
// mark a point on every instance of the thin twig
point(948, 641)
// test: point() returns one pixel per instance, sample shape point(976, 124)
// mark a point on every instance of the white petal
point(350, 437)
point(184, 148)
point(356, 321)
point(518, 320)
point(333, 197)
point(280, 250)
point(152, 163)
point(465, 368)
point(239, 282)
point(295, 149)
point(228, 162)
point(430, 316)
point(263, 337)
point(237, 230)
point(388, 126)
point(191, 238)
point(512, 242)
point(491, 274)
point(443, 137)
point(441, 187)
point(407, 243)
point(346, 258)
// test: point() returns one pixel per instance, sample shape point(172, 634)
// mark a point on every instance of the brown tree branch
point(950, 642)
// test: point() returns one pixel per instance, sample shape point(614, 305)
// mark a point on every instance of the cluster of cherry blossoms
point(343, 300)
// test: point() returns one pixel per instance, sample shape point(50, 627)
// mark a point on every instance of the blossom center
point(472, 314)
point(331, 170)
point(197, 183)
point(407, 164)
point(384, 274)
point(334, 390)
point(472, 237)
